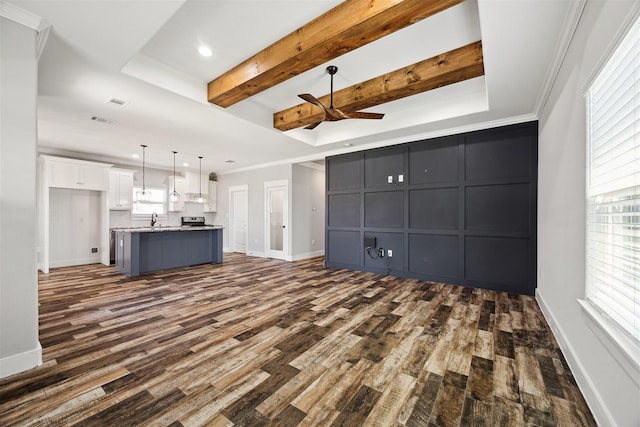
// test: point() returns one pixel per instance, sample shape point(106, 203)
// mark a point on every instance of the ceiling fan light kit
point(332, 114)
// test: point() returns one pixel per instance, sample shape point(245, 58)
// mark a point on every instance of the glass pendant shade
point(200, 198)
point(174, 196)
point(143, 195)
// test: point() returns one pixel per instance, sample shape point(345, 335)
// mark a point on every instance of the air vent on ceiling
point(117, 101)
point(103, 120)
point(229, 161)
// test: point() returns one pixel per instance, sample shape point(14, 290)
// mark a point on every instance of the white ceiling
point(145, 52)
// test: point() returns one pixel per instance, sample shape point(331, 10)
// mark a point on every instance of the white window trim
point(163, 216)
point(612, 336)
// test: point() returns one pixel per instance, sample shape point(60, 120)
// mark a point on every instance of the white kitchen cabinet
point(120, 189)
point(195, 181)
point(212, 198)
point(180, 188)
point(78, 174)
point(60, 172)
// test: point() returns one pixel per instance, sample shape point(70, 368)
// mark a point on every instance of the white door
point(276, 219)
point(238, 203)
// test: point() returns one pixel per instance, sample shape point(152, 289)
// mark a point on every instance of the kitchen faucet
point(154, 219)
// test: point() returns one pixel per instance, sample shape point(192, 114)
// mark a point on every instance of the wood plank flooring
point(261, 342)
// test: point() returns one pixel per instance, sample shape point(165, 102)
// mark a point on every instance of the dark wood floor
point(256, 342)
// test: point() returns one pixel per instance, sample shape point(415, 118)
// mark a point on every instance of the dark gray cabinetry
point(462, 212)
point(141, 252)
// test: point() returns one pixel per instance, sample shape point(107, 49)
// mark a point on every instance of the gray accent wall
point(459, 209)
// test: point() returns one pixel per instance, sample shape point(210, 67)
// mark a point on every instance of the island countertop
point(165, 228)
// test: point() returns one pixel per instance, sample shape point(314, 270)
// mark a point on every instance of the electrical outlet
point(400, 178)
point(94, 250)
point(390, 179)
point(389, 253)
point(381, 252)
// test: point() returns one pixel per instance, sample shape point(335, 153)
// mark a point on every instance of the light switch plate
point(390, 179)
point(400, 178)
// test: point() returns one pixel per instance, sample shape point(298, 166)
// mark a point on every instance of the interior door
point(238, 202)
point(276, 219)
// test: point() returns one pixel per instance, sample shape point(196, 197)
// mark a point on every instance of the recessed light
point(205, 51)
point(135, 156)
point(185, 164)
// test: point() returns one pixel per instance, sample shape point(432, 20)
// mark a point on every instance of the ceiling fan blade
point(312, 125)
point(312, 99)
point(364, 115)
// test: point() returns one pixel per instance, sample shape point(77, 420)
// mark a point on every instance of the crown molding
point(28, 19)
point(23, 17)
point(569, 29)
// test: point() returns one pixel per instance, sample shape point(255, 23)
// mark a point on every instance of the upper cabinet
point(78, 174)
point(120, 189)
point(212, 199)
point(180, 186)
point(197, 183)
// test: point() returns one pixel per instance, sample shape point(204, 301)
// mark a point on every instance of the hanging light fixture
point(200, 198)
point(174, 196)
point(143, 195)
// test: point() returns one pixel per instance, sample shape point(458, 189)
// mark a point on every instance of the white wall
point(307, 224)
point(74, 227)
point(19, 346)
point(611, 391)
point(255, 179)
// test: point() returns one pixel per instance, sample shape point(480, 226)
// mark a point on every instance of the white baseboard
point(21, 362)
point(297, 257)
point(226, 249)
point(591, 395)
point(307, 255)
point(72, 262)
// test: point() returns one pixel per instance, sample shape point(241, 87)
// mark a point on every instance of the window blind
point(157, 204)
point(613, 187)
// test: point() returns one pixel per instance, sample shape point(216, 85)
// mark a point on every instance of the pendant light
point(200, 198)
point(143, 195)
point(174, 196)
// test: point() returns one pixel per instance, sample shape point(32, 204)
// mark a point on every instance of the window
point(613, 187)
point(157, 204)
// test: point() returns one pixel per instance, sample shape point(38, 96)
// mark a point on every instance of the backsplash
point(119, 219)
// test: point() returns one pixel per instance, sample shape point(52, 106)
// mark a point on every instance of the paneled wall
point(459, 209)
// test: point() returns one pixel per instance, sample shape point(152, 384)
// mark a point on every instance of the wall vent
point(103, 120)
point(117, 101)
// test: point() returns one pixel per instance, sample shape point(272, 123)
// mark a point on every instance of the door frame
point(234, 189)
point(284, 254)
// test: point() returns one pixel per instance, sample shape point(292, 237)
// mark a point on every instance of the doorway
point(276, 219)
point(238, 212)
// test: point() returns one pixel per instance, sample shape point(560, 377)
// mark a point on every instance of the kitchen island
point(145, 249)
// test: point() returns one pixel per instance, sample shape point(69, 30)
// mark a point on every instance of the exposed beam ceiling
point(451, 67)
point(350, 25)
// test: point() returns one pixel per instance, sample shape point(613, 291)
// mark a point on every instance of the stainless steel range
point(192, 221)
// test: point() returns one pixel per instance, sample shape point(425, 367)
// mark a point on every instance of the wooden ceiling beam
point(349, 25)
point(451, 67)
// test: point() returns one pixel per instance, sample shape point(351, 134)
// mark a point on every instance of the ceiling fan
point(332, 114)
